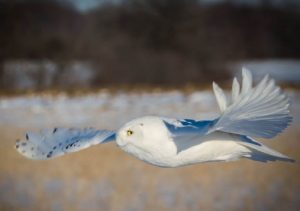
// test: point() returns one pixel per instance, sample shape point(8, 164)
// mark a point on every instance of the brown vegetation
point(150, 41)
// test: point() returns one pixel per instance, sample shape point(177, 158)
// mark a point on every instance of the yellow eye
point(129, 132)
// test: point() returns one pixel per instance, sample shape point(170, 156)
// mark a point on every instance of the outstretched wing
point(260, 111)
point(52, 143)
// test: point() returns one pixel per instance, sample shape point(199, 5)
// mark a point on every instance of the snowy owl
point(261, 111)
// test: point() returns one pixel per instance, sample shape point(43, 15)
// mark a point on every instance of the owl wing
point(183, 132)
point(261, 111)
point(47, 144)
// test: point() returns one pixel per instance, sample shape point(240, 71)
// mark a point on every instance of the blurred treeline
point(147, 41)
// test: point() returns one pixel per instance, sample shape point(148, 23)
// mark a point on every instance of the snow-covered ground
point(105, 178)
point(102, 109)
point(110, 111)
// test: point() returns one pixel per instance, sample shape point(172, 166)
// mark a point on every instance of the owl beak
point(120, 140)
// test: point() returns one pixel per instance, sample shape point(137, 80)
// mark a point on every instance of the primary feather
point(220, 96)
point(235, 90)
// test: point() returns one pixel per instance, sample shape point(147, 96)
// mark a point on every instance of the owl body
point(161, 148)
point(260, 111)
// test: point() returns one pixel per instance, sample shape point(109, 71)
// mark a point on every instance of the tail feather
point(260, 111)
point(262, 157)
point(259, 152)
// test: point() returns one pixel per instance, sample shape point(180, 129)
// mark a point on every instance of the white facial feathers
point(145, 132)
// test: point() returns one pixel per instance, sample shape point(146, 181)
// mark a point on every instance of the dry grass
point(105, 178)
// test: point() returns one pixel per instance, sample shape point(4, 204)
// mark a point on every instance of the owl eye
point(129, 132)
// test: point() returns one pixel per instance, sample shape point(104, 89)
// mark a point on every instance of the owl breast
point(164, 155)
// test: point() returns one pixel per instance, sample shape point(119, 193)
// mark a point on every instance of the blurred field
point(125, 48)
point(105, 178)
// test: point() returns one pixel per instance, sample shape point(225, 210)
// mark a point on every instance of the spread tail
point(262, 153)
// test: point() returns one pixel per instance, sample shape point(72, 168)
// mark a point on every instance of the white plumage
point(260, 111)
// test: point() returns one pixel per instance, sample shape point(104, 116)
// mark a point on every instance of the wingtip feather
point(247, 80)
point(235, 89)
point(220, 96)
